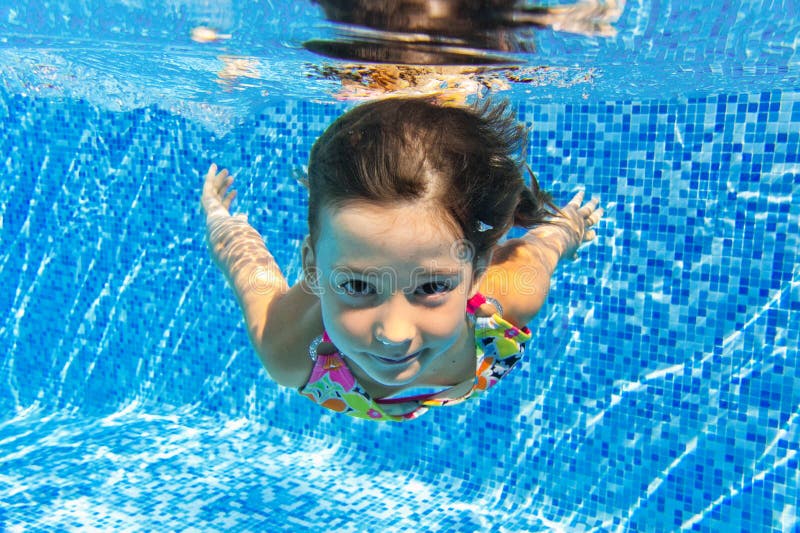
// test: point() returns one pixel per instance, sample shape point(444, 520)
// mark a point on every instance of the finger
point(588, 207)
point(223, 186)
point(576, 200)
point(594, 217)
point(228, 199)
point(221, 178)
point(210, 182)
point(589, 235)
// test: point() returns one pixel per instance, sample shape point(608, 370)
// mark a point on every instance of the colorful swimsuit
point(498, 347)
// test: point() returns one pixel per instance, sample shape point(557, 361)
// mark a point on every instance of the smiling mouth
point(402, 361)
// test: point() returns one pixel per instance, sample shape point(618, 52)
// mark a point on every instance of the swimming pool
point(662, 388)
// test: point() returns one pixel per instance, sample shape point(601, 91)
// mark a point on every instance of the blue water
point(662, 389)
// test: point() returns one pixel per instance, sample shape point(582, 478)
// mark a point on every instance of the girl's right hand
point(216, 200)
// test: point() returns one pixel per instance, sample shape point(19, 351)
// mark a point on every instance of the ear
point(309, 261)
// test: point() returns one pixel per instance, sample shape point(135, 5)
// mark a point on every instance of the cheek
point(445, 321)
point(341, 320)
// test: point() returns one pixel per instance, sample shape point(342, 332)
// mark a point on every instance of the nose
point(395, 329)
point(387, 342)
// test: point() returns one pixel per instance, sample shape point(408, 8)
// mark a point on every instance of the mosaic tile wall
point(662, 390)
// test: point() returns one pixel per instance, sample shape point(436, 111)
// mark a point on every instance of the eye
point(356, 287)
point(433, 288)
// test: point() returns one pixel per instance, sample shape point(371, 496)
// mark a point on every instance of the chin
point(403, 377)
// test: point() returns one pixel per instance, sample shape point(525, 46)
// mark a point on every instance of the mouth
point(402, 361)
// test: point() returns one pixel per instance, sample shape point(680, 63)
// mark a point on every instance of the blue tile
point(661, 387)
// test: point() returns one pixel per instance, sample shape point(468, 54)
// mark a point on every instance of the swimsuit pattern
point(499, 345)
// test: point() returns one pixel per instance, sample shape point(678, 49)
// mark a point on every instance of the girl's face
point(393, 284)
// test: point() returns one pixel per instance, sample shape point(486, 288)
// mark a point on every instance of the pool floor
point(180, 470)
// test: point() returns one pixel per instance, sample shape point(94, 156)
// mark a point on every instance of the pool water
point(661, 391)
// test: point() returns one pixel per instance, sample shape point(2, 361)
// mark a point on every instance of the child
point(407, 299)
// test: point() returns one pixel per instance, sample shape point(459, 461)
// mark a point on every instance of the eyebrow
point(372, 270)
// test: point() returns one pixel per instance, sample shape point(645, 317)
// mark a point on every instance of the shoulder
point(518, 280)
point(294, 322)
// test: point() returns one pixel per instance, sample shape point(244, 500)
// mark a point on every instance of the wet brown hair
point(467, 161)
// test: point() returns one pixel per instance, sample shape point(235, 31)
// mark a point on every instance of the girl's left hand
point(578, 218)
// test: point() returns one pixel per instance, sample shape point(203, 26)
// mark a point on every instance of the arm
point(520, 272)
point(239, 251)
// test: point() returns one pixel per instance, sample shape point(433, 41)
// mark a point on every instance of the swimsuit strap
point(475, 302)
point(319, 339)
point(478, 300)
point(498, 308)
